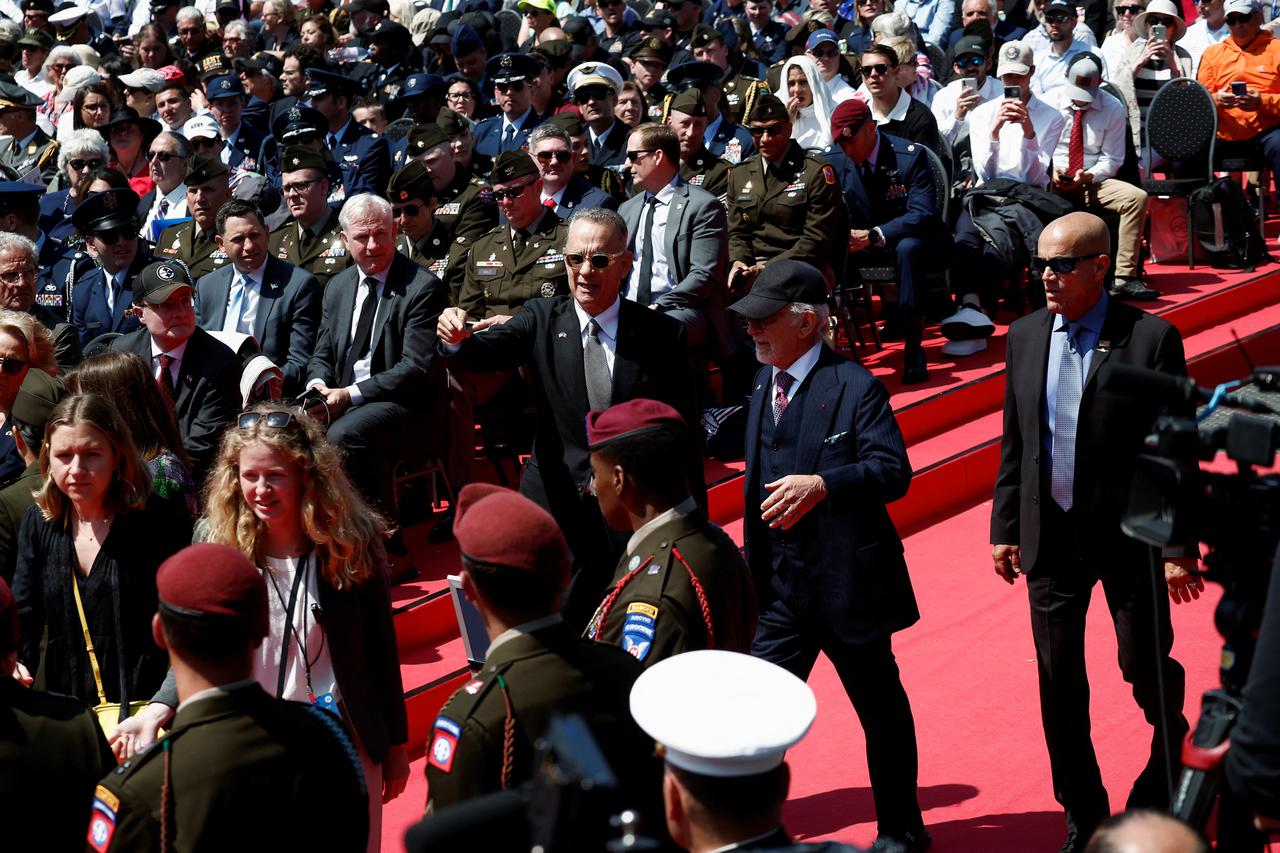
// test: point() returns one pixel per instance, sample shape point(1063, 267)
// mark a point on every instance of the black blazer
point(846, 557)
point(651, 361)
point(1109, 434)
point(288, 314)
point(208, 392)
point(403, 333)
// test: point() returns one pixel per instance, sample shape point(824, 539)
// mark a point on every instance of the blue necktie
point(236, 307)
point(508, 136)
point(1066, 414)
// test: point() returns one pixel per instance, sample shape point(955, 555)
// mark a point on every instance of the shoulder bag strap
point(88, 642)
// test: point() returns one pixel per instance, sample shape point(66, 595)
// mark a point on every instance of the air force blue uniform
point(489, 134)
point(364, 160)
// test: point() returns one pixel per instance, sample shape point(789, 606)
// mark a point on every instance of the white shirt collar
point(665, 194)
point(381, 277)
point(608, 318)
point(256, 276)
point(556, 196)
point(175, 195)
point(523, 628)
point(176, 353)
point(686, 507)
point(899, 111)
point(802, 366)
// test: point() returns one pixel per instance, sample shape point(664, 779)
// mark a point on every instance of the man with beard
point(1060, 20)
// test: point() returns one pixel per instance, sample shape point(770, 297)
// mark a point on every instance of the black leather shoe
point(1133, 290)
point(914, 370)
point(442, 530)
point(1073, 844)
point(908, 842)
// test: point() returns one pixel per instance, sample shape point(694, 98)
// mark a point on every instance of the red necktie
point(550, 203)
point(166, 380)
point(1075, 153)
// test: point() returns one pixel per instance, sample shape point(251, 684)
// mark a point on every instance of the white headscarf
point(812, 130)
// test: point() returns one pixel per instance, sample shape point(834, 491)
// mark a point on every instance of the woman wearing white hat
point(1152, 60)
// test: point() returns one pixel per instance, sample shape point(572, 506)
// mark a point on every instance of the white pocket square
point(834, 438)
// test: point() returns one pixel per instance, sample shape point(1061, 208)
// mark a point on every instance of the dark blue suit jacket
point(582, 193)
point(247, 147)
point(89, 311)
point(364, 159)
point(848, 563)
point(902, 201)
point(488, 135)
point(771, 42)
point(742, 147)
point(55, 214)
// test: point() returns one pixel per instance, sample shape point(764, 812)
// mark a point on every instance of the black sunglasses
point(12, 366)
point(558, 156)
point(81, 165)
point(275, 419)
point(1056, 18)
point(1060, 266)
point(407, 210)
point(775, 129)
point(634, 156)
point(513, 86)
point(206, 142)
point(162, 156)
point(114, 235)
point(880, 69)
point(591, 93)
point(1237, 20)
point(1159, 19)
point(1129, 10)
point(599, 260)
point(512, 193)
point(972, 61)
point(825, 52)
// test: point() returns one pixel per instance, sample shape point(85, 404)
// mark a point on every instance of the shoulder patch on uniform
point(102, 820)
point(444, 744)
point(638, 629)
point(828, 175)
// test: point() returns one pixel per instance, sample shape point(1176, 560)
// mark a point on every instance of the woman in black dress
point(96, 525)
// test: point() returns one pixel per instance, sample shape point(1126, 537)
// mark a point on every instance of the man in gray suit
point(679, 238)
point(271, 299)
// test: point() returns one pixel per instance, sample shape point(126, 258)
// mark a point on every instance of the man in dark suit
point(101, 291)
point(563, 190)
point(271, 299)
point(1066, 462)
point(680, 238)
point(373, 354)
point(197, 373)
point(824, 457)
point(587, 351)
point(361, 155)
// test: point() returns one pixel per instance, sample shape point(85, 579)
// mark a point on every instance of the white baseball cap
point(201, 127)
point(143, 78)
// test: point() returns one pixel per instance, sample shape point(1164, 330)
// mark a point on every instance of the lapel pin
point(563, 335)
point(1104, 346)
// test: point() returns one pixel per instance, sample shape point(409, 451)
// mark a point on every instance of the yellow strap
point(88, 643)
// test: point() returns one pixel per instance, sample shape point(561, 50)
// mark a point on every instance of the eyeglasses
point(460, 96)
point(599, 260)
point(1129, 10)
point(62, 66)
point(114, 235)
point(776, 129)
point(206, 142)
point(82, 165)
point(591, 93)
point(298, 188)
point(1159, 19)
point(879, 69)
point(18, 276)
point(410, 210)
point(12, 366)
point(558, 156)
point(825, 53)
point(163, 156)
point(275, 419)
point(634, 156)
point(974, 61)
point(513, 86)
point(1057, 18)
point(512, 193)
point(1060, 266)
point(1237, 20)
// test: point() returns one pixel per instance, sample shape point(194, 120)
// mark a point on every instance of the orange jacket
point(1258, 66)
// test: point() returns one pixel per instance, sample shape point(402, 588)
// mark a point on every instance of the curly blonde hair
point(130, 481)
point(347, 534)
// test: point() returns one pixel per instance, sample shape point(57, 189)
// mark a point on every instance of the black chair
point(1182, 125)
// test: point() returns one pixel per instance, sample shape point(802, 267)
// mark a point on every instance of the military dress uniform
point(731, 141)
point(195, 247)
point(324, 255)
point(708, 172)
point(465, 209)
point(501, 273)
point(741, 91)
point(40, 152)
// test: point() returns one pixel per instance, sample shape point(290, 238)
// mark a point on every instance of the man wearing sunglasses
point(1248, 124)
point(463, 211)
point(509, 130)
point(413, 204)
point(195, 242)
point(586, 351)
point(1207, 30)
point(563, 190)
point(1067, 460)
point(168, 154)
point(594, 86)
point(824, 49)
point(951, 106)
point(1051, 65)
point(101, 294)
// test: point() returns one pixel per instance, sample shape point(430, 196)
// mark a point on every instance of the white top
point(813, 129)
point(1051, 69)
point(839, 90)
point(661, 280)
point(1106, 121)
point(282, 641)
point(1114, 47)
point(361, 370)
point(944, 107)
point(608, 321)
point(175, 208)
point(1011, 155)
point(1039, 40)
point(1199, 38)
point(241, 317)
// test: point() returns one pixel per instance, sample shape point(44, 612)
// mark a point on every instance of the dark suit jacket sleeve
point(375, 170)
point(1004, 508)
point(324, 360)
point(426, 299)
point(882, 470)
point(219, 406)
point(708, 258)
point(922, 203)
point(384, 661)
point(28, 588)
point(304, 322)
point(504, 346)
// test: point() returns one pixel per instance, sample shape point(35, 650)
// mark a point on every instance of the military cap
point(800, 33)
point(68, 17)
point(38, 39)
point(411, 181)
point(389, 31)
point(683, 702)
point(9, 633)
point(850, 115)
point(214, 65)
point(158, 281)
point(321, 81)
point(128, 115)
point(704, 35)
point(18, 189)
point(297, 123)
point(424, 137)
point(769, 108)
point(512, 165)
point(39, 393)
point(658, 19)
point(651, 46)
point(15, 97)
point(297, 158)
point(204, 168)
point(556, 51)
point(224, 87)
point(636, 417)
point(465, 40)
point(260, 63)
point(418, 85)
point(511, 67)
point(570, 123)
point(694, 74)
point(690, 102)
point(451, 122)
point(594, 74)
point(45, 6)
point(495, 526)
point(105, 210)
point(210, 580)
point(782, 282)
point(201, 127)
point(161, 5)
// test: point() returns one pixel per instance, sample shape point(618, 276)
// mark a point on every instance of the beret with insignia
point(511, 166)
point(495, 527)
point(204, 168)
point(704, 35)
point(570, 123)
point(409, 182)
point(424, 137)
point(654, 47)
point(769, 108)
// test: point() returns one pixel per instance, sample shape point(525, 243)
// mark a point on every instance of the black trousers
point(371, 438)
point(1060, 587)
point(870, 677)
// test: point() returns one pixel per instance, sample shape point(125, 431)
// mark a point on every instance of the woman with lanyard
point(279, 493)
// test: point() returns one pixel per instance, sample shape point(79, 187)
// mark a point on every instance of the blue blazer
point(582, 193)
point(89, 312)
point(846, 556)
point(364, 159)
point(488, 135)
point(905, 202)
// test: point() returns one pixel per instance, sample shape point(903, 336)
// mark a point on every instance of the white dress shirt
point(1106, 121)
point(1051, 69)
point(117, 290)
point(839, 90)
point(1011, 155)
point(248, 313)
point(661, 280)
point(175, 208)
point(361, 370)
point(176, 354)
point(951, 128)
point(797, 370)
point(608, 321)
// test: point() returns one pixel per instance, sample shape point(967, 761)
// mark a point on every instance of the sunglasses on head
point(1060, 266)
point(511, 193)
point(115, 235)
point(81, 165)
point(274, 419)
point(599, 260)
point(12, 366)
point(1056, 18)
point(879, 69)
point(973, 61)
point(513, 86)
point(1237, 20)
point(409, 210)
point(558, 156)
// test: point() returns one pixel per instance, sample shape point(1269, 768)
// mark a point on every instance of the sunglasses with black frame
point(1060, 266)
point(512, 193)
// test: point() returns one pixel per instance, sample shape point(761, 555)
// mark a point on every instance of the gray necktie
point(599, 383)
point(1066, 413)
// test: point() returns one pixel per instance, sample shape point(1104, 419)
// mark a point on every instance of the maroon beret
point(215, 580)
point(851, 114)
point(632, 418)
point(501, 527)
point(8, 620)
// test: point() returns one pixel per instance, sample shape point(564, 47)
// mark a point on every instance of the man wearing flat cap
point(234, 756)
point(894, 220)
point(681, 584)
point(510, 74)
point(311, 236)
point(101, 282)
point(824, 457)
point(784, 202)
point(195, 243)
point(515, 566)
point(361, 154)
point(29, 147)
